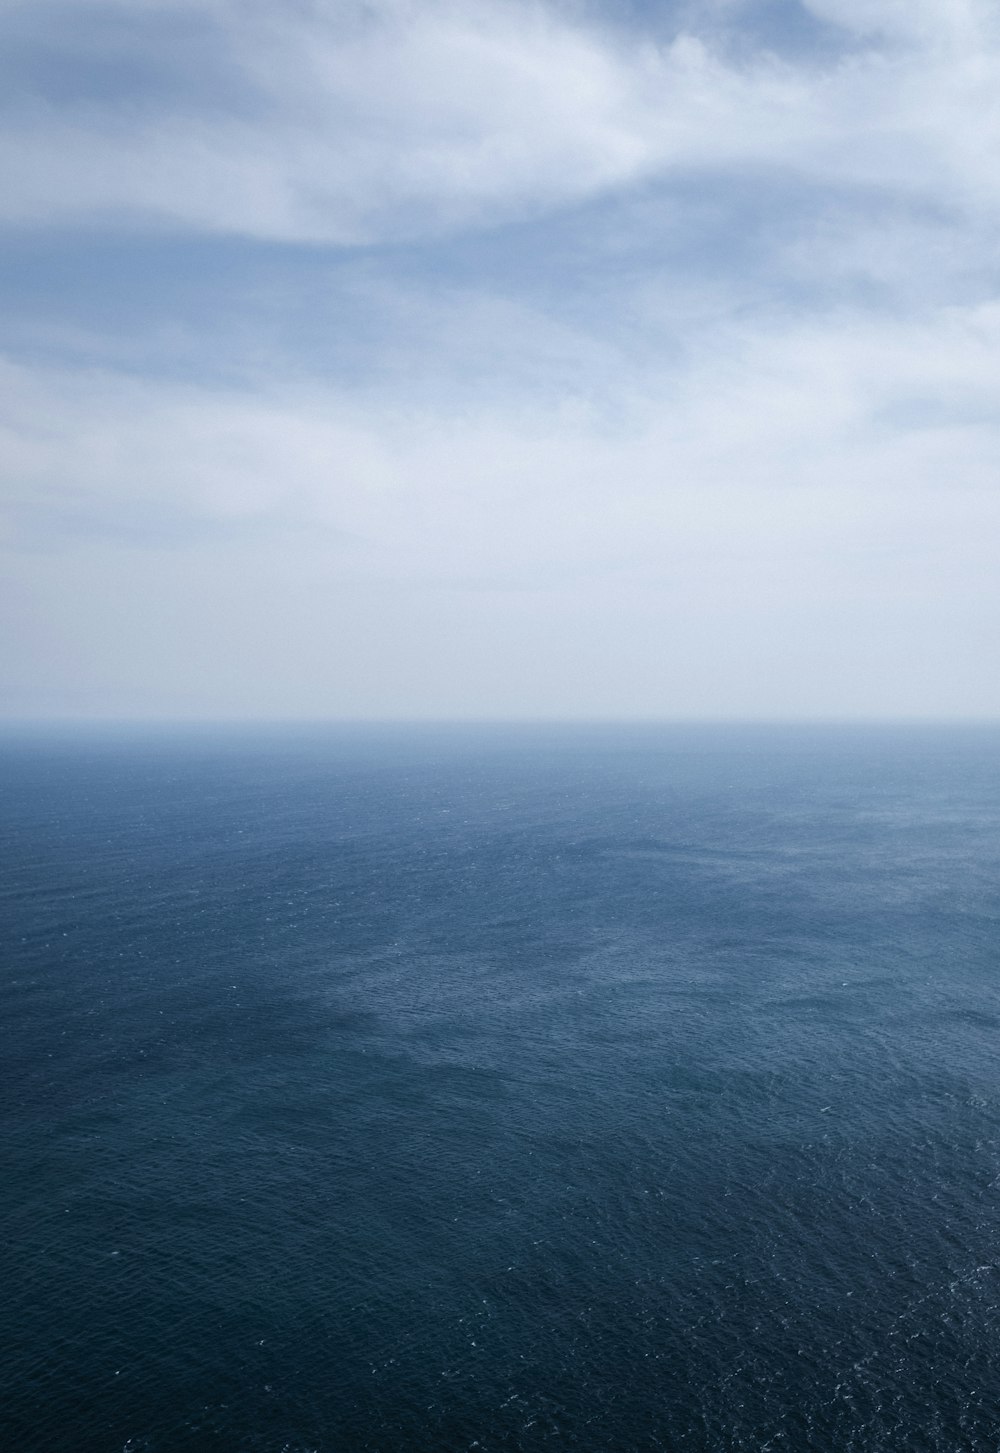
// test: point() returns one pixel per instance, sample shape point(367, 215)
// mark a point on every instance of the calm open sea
point(445, 1089)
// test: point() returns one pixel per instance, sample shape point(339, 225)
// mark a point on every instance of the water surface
point(499, 1088)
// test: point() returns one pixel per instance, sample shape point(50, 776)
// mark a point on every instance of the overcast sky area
point(500, 358)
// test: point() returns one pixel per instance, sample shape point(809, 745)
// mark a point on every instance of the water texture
point(501, 1088)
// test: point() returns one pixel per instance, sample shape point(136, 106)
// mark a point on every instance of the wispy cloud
point(803, 435)
point(350, 123)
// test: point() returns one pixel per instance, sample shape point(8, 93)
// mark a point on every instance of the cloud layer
point(350, 123)
point(501, 359)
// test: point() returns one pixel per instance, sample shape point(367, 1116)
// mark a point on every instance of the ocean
point(500, 1088)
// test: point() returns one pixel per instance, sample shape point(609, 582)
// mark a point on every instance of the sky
point(487, 359)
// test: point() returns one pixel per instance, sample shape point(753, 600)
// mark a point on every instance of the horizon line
point(29, 723)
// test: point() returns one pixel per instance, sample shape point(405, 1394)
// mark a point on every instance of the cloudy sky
point(500, 358)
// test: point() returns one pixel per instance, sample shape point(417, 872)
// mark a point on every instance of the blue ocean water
point(501, 1088)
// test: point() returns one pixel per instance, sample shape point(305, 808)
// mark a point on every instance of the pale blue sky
point(499, 359)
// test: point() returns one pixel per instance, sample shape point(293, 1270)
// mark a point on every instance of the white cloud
point(800, 519)
point(366, 121)
point(906, 19)
point(363, 122)
point(793, 435)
